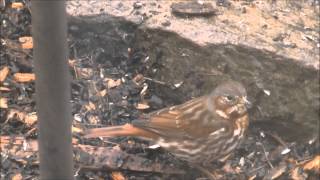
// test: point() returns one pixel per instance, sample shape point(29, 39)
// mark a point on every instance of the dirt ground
point(117, 91)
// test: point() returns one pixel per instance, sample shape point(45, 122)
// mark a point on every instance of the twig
point(155, 81)
point(257, 169)
point(278, 139)
point(265, 154)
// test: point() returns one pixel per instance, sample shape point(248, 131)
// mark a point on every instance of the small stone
point(155, 101)
point(224, 3)
point(166, 23)
point(243, 10)
point(186, 9)
point(137, 5)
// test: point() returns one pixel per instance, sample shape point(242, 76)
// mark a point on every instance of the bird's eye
point(230, 98)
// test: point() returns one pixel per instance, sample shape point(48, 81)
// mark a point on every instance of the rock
point(191, 8)
point(282, 79)
point(166, 23)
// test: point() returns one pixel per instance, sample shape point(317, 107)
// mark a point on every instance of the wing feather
point(176, 121)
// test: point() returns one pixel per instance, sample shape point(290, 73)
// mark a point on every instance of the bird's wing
point(185, 120)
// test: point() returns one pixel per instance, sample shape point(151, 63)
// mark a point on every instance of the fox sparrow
point(199, 131)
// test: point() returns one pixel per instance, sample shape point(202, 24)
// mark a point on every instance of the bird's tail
point(124, 130)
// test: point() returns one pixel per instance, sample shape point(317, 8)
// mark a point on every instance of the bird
point(199, 131)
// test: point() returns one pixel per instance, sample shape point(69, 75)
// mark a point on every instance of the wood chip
point(117, 176)
point(89, 156)
point(13, 112)
point(17, 177)
point(90, 106)
point(72, 62)
point(17, 5)
point(142, 106)
point(276, 172)
point(112, 83)
point(313, 165)
point(138, 79)
point(76, 130)
point(24, 77)
point(84, 73)
point(2, 88)
point(4, 73)
point(30, 119)
point(92, 119)
point(296, 174)
point(103, 93)
point(26, 42)
point(3, 103)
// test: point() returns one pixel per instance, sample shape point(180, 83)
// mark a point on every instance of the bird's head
point(229, 100)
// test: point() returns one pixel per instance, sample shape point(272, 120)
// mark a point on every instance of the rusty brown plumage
point(199, 131)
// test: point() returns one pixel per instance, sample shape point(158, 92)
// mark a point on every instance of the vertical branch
point(49, 27)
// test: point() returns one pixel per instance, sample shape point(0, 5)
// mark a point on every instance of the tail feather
point(114, 131)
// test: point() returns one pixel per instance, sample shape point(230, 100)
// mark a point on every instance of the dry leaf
point(112, 83)
point(4, 73)
point(2, 88)
point(142, 106)
point(24, 77)
point(117, 176)
point(17, 177)
point(3, 103)
point(313, 164)
point(26, 42)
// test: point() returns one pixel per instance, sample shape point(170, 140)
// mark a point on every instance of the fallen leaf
point(313, 164)
point(26, 42)
point(24, 77)
point(117, 176)
point(17, 5)
point(142, 106)
point(4, 73)
point(3, 103)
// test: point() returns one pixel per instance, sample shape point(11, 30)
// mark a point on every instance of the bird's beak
point(247, 103)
